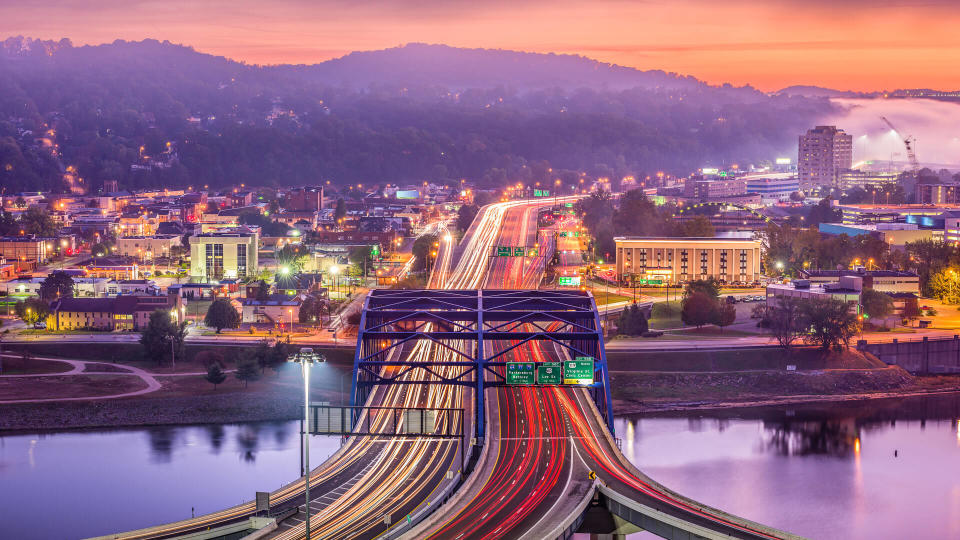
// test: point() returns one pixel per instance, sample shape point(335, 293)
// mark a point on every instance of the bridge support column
point(479, 401)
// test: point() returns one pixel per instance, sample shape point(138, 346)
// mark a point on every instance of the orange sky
point(852, 44)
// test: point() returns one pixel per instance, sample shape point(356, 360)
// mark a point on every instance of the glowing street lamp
point(306, 358)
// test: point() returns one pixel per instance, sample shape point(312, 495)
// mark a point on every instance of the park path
point(79, 367)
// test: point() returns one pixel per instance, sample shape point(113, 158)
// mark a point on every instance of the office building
point(856, 178)
point(148, 247)
point(888, 281)
point(26, 249)
point(938, 193)
point(120, 313)
point(772, 187)
point(730, 258)
point(824, 153)
point(214, 256)
point(846, 288)
point(698, 187)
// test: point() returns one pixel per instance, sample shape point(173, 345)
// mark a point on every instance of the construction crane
point(908, 142)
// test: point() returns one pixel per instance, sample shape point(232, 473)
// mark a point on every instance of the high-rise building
point(825, 152)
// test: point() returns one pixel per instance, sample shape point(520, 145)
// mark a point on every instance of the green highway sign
point(518, 252)
point(568, 205)
point(504, 251)
point(649, 282)
point(520, 372)
point(578, 370)
point(570, 234)
point(541, 193)
point(533, 252)
point(549, 373)
point(569, 281)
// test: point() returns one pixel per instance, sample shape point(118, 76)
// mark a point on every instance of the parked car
point(731, 300)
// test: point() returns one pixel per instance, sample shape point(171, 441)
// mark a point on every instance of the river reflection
point(113, 480)
point(868, 469)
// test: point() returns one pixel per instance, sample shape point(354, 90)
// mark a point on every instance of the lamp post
point(306, 358)
point(335, 270)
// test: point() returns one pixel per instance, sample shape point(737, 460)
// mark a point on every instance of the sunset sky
point(852, 44)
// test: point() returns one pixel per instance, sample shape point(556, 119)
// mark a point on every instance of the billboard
point(408, 194)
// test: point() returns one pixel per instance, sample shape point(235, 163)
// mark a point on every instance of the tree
point(709, 287)
point(37, 221)
point(945, 285)
point(465, 216)
point(311, 310)
point(292, 256)
point(727, 314)
point(221, 314)
point(247, 368)
point(911, 308)
point(823, 212)
point(215, 375)
point(162, 336)
point(632, 321)
point(699, 309)
point(340, 211)
point(784, 320)
point(263, 291)
point(32, 310)
point(830, 322)
point(208, 357)
point(422, 247)
point(699, 227)
point(58, 284)
point(876, 304)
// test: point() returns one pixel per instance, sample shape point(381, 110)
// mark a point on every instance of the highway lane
point(535, 466)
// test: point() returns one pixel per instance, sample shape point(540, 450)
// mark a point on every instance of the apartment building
point(824, 153)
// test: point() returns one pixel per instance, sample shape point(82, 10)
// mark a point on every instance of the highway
point(544, 442)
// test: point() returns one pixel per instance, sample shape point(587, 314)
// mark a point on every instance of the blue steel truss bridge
point(480, 330)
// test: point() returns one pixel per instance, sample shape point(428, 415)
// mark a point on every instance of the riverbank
point(639, 392)
point(175, 398)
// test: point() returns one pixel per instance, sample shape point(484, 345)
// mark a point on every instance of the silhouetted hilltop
point(441, 65)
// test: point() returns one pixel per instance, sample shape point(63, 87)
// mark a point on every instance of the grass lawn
point(81, 332)
point(602, 298)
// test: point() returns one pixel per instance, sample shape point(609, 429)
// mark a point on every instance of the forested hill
point(419, 64)
point(412, 113)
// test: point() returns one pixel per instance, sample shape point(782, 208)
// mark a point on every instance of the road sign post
point(520, 373)
point(578, 370)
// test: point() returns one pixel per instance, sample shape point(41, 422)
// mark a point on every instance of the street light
point(306, 358)
point(334, 270)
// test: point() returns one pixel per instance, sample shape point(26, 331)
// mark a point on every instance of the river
point(86, 483)
point(867, 469)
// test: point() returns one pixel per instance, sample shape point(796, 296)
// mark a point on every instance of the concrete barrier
point(923, 356)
